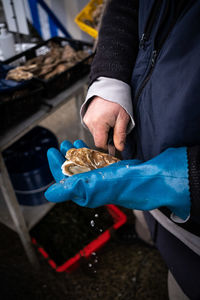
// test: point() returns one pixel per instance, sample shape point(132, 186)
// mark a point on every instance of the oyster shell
point(69, 168)
point(84, 160)
point(21, 73)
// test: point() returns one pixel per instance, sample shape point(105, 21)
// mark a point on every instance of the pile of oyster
point(46, 66)
point(96, 15)
point(84, 160)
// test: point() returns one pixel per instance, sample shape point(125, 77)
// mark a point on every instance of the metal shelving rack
point(22, 218)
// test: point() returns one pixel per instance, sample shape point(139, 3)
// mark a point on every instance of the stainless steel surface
point(14, 133)
point(33, 214)
point(15, 213)
point(22, 219)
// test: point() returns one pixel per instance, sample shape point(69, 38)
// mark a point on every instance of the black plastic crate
point(61, 81)
point(19, 103)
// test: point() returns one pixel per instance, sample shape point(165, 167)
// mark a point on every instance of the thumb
point(120, 129)
point(56, 193)
point(67, 190)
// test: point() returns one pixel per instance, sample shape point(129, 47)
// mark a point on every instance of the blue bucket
point(27, 164)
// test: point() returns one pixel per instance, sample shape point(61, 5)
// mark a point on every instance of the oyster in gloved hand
point(83, 160)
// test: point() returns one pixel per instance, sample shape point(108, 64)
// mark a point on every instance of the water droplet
point(94, 253)
point(96, 261)
point(95, 271)
point(96, 215)
point(92, 223)
point(90, 265)
point(100, 230)
point(134, 279)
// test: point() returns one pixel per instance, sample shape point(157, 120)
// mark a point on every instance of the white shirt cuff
point(113, 90)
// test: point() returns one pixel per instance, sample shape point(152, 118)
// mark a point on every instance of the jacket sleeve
point(117, 45)
point(193, 154)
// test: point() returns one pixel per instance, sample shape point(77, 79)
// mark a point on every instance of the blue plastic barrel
point(27, 164)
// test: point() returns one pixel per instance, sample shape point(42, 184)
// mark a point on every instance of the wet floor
point(121, 271)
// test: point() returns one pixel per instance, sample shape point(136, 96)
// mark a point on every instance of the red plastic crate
point(71, 264)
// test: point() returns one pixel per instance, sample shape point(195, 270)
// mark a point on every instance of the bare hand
point(100, 116)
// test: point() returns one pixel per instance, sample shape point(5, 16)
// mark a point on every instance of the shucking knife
point(110, 143)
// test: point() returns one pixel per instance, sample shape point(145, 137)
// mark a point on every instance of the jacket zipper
point(153, 60)
point(156, 51)
point(158, 46)
point(150, 22)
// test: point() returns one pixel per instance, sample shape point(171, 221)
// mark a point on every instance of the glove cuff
point(179, 202)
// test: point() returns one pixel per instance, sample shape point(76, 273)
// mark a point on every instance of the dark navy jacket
point(165, 84)
point(168, 109)
point(166, 99)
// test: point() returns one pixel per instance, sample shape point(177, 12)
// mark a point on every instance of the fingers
point(65, 146)
point(80, 144)
point(55, 160)
point(100, 135)
point(100, 131)
point(120, 129)
point(100, 116)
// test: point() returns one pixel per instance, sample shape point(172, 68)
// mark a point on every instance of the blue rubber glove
point(161, 181)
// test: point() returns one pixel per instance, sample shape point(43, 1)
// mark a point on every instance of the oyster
point(21, 73)
point(69, 168)
point(84, 160)
point(57, 60)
